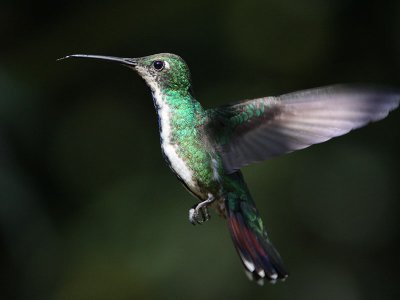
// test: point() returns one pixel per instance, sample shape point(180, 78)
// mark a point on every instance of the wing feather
point(266, 127)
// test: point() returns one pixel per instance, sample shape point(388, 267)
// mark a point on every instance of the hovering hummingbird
point(206, 148)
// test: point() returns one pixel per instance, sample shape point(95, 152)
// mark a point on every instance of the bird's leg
point(199, 212)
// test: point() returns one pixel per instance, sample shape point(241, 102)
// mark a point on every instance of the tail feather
point(258, 255)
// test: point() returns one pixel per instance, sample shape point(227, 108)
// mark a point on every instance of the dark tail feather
point(258, 255)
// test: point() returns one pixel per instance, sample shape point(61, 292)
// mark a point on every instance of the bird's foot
point(198, 214)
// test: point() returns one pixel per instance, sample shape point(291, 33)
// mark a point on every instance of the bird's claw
point(198, 214)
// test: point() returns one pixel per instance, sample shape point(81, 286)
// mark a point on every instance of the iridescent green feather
point(186, 117)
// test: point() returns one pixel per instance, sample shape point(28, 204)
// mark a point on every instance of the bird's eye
point(158, 65)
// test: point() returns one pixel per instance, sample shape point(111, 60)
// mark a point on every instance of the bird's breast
point(183, 144)
point(170, 149)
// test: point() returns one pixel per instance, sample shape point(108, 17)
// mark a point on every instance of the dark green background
point(88, 209)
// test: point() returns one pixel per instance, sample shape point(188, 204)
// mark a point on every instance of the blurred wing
point(259, 129)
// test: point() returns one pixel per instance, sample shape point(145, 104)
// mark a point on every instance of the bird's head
point(162, 71)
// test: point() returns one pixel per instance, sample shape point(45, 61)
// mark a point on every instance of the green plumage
point(187, 118)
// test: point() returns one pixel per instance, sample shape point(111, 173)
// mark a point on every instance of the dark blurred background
point(89, 210)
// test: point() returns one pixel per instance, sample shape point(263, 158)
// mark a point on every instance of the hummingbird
point(206, 148)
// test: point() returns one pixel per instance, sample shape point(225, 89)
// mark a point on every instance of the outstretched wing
point(256, 130)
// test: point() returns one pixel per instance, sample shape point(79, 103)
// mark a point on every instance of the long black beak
point(129, 62)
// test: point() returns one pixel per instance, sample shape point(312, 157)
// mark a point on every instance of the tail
point(258, 255)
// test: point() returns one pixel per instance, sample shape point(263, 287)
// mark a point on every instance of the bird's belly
point(181, 168)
